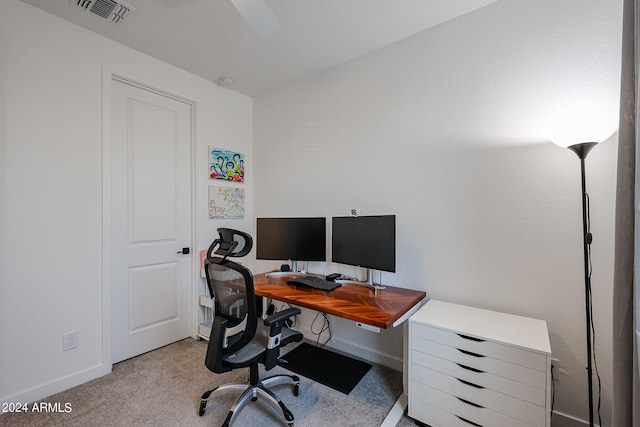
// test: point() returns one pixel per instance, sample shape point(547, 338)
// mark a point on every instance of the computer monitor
point(295, 239)
point(365, 241)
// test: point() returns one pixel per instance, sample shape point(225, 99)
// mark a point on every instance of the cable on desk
point(326, 326)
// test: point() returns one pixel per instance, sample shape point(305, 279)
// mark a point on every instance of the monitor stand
point(368, 282)
point(294, 271)
point(284, 273)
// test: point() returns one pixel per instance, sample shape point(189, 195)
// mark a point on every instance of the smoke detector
point(110, 10)
point(224, 82)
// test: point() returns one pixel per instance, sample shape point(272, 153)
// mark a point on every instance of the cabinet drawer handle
point(467, 337)
point(469, 368)
point(469, 383)
point(468, 422)
point(470, 353)
point(469, 403)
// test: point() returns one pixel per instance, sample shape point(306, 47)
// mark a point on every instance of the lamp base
point(582, 149)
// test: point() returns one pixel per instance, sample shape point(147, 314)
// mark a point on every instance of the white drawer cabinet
point(474, 367)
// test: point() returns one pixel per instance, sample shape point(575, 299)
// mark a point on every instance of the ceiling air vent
point(110, 10)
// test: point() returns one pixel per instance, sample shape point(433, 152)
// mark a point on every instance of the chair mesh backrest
point(231, 288)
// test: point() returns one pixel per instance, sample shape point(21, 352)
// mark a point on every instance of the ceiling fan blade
point(258, 15)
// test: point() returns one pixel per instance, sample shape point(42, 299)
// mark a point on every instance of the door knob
point(184, 251)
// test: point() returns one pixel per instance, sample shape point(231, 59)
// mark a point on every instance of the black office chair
point(238, 339)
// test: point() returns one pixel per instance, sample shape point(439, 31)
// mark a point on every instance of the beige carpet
point(163, 388)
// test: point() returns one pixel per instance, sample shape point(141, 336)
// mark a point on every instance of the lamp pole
point(582, 150)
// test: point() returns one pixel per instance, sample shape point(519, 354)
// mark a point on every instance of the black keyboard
point(314, 282)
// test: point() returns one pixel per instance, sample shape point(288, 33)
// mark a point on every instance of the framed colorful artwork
point(226, 165)
point(226, 202)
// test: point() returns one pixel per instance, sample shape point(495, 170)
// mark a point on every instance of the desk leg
point(396, 413)
point(400, 407)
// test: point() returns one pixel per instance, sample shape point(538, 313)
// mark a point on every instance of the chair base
point(251, 392)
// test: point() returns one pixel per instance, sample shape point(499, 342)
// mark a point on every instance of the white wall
point(449, 130)
point(51, 189)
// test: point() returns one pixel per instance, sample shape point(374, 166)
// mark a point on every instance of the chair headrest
point(231, 243)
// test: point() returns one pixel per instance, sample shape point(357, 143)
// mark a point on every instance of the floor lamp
point(582, 150)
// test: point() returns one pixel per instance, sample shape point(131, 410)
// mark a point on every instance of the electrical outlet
point(69, 341)
point(555, 369)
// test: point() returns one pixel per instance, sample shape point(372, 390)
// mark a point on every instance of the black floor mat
point(334, 370)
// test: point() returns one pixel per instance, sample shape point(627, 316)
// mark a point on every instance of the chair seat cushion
point(248, 354)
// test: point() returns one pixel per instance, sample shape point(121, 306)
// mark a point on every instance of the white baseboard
point(56, 386)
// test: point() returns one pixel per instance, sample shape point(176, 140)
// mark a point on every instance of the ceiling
point(211, 39)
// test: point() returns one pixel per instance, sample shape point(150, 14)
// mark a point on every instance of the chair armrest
point(281, 315)
point(276, 322)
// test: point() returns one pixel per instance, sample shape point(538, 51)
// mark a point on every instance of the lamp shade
point(583, 125)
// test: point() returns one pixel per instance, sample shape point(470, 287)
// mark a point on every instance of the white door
point(150, 220)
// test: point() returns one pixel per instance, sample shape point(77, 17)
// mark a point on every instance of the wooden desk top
point(353, 302)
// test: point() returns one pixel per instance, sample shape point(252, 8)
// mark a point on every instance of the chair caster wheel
point(296, 390)
point(203, 404)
